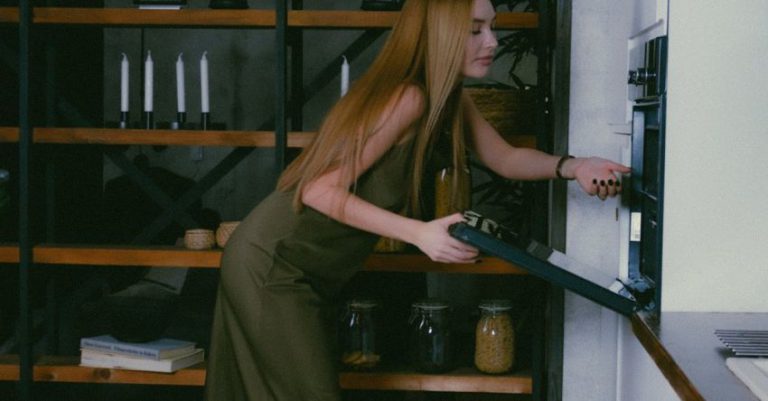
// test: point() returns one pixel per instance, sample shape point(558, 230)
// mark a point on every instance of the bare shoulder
point(409, 102)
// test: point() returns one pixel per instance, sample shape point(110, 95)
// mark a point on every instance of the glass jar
point(431, 337)
point(495, 337)
point(358, 334)
point(448, 201)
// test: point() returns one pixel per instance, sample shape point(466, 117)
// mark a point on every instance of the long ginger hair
point(425, 49)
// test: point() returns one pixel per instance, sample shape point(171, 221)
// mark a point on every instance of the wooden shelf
point(66, 369)
point(9, 253)
point(113, 136)
point(179, 257)
point(9, 367)
point(9, 134)
point(463, 380)
point(9, 15)
point(255, 18)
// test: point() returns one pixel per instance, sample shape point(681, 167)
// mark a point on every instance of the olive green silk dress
point(273, 337)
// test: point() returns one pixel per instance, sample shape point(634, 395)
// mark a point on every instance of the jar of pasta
point(359, 343)
point(495, 337)
point(452, 192)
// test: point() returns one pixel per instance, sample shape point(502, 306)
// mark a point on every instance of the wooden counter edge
point(645, 327)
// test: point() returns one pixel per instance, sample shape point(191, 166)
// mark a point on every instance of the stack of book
point(163, 355)
point(160, 4)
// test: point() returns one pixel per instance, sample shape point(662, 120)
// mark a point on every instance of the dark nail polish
point(602, 183)
point(618, 183)
point(610, 182)
point(594, 181)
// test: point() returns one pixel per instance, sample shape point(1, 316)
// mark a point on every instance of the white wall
point(599, 348)
point(599, 32)
point(716, 223)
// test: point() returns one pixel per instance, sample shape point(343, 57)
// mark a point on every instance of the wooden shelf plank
point(331, 19)
point(134, 16)
point(9, 134)
point(419, 263)
point(66, 369)
point(113, 136)
point(90, 255)
point(9, 367)
point(325, 19)
point(125, 256)
point(464, 380)
point(9, 253)
point(9, 15)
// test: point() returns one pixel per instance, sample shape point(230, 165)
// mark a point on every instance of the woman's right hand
point(433, 239)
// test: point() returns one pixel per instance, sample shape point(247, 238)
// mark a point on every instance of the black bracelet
point(559, 167)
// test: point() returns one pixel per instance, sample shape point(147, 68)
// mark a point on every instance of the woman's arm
point(595, 175)
point(327, 192)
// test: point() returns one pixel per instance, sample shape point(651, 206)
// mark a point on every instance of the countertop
point(690, 356)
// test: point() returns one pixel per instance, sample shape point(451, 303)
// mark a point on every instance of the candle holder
point(228, 4)
point(181, 118)
point(149, 120)
point(205, 121)
point(124, 120)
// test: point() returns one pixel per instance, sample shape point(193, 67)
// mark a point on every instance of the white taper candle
point(204, 99)
point(149, 67)
point(124, 84)
point(181, 105)
point(344, 76)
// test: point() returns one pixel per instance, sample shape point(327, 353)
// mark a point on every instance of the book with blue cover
point(157, 349)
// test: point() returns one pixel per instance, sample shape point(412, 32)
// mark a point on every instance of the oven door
point(646, 194)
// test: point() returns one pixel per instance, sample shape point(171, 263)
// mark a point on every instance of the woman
point(359, 180)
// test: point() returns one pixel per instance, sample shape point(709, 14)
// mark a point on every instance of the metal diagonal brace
point(237, 155)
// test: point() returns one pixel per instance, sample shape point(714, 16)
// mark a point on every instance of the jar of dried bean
point(495, 337)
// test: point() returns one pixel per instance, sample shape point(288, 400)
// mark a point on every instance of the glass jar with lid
point(495, 337)
point(358, 335)
point(431, 336)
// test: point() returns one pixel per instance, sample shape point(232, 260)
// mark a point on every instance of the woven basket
point(224, 231)
point(389, 245)
point(511, 111)
point(198, 239)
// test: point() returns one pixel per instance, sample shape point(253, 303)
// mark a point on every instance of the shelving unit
point(50, 368)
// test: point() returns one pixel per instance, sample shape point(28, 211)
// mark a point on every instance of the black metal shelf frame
point(285, 107)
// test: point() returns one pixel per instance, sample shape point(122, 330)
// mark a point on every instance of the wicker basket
point(511, 111)
point(389, 245)
point(198, 239)
point(224, 231)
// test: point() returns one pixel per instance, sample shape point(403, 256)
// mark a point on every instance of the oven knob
point(641, 76)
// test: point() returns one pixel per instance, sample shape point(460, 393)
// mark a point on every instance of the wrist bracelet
point(559, 167)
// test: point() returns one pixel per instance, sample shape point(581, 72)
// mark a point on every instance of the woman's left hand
point(595, 175)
